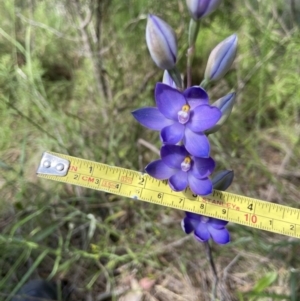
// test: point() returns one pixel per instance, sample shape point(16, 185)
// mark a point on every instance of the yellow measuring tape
point(136, 185)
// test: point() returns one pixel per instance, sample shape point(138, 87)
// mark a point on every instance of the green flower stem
point(190, 56)
point(193, 33)
point(205, 84)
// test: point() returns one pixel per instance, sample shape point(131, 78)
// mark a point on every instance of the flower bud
point(161, 42)
point(221, 58)
point(201, 8)
point(222, 180)
point(167, 79)
point(225, 105)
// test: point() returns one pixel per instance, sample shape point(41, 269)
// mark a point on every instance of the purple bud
point(161, 42)
point(221, 58)
point(222, 180)
point(225, 105)
point(201, 8)
point(167, 79)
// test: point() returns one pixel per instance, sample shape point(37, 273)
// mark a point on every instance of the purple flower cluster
point(185, 118)
point(182, 118)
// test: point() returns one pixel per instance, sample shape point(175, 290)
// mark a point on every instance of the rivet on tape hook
point(53, 165)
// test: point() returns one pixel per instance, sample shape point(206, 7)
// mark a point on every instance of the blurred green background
point(71, 71)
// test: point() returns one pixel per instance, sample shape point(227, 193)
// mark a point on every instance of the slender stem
point(190, 56)
point(193, 33)
point(204, 84)
point(213, 268)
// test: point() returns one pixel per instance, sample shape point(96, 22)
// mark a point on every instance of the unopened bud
point(161, 42)
point(222, 180)
point(201, 8)
point(225, 105)
point(221, 58)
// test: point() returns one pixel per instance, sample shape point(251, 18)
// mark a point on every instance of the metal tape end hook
point(53, 165)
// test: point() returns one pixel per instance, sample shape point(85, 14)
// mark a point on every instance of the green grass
point(62, 92)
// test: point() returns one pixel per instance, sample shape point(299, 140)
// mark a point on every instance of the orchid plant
point(184, 117)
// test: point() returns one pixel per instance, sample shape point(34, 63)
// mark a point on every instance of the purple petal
point(196, 144)
point(173, 155)
point(187, 226)
point(196, 96)
point(202, 167)
point(201, 187)
point(193, 216)
point(172, 134)
point(219, 236)
point(201, 232)
point(199, 9)
point(159, 170)
point(151, 118)
point(203, 117)
point(167, 79)
point(178, 181)
point(169, 101)
point(217, 223)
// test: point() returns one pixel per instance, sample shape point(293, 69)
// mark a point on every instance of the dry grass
point(57, 94)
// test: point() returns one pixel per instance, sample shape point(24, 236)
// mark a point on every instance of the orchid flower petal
point(187, 226)
point(220, 236)
point(178, 181)
point(201, 232)
point(169, 101)
point(203, 117)
point(151, 118)
point(196, 96)
point(202, 167)
point(172, 134)
point(200, 187)
point(159, 170)
point(217, 223)
point(196, 144)
point(173, 155)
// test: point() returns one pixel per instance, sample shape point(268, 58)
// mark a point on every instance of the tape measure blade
point(222, 205)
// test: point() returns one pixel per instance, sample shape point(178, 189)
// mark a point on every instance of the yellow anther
point(185, 108)
point(187, 160)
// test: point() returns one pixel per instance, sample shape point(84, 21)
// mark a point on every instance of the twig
point(89, 47)
point(150, 146)
point(229, 266)
point(44, 26)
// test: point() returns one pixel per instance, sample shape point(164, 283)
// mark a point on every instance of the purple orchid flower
point(181, 117)
point(182, 170)
point(205, 228)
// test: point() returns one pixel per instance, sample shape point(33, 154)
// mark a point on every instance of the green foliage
point(63, 90)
